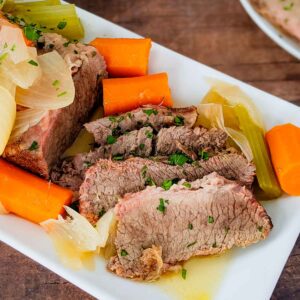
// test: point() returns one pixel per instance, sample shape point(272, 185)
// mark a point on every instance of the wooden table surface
point(215, 32)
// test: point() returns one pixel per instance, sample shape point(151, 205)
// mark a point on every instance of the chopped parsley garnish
point(111, 140)
point(113, 119)
point(129, 115)
point(61, 25)
point(191, 244)
point(66, 44)
point(214, 245)
point(87, 164)
point(144, 171)
point(203, 155)
point(289, 6)
point(118, 157)
point(191, 227)
point(34, 146)
point(149, 134)
point(149, 181)
point(32, 33)
point(210, 219)
point(162, 205)
point(179, 120)
point(124, 252)
point(62, 94)
point(5, 45)
point(33, 63)
point(101, 213)
point(260, 228)
point(187, 185)
point(183, 273)
point(13, 48)
point(56, 83)
point(149, 112)
point(142, 146)
point(178, 159)
point(166, 185)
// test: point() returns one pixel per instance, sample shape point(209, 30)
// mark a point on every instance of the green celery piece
point(48, 18)
point(264, 170)
point(11, 5)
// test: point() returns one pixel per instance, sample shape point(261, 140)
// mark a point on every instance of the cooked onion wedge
point(8, 115)
point(55, 88)
point(74, 238)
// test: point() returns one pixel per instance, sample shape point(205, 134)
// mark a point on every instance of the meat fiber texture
point(107, 180)
point(58, 128)
point(150, 115)
point(210, 217)
point(283, 14)
point(142, 143)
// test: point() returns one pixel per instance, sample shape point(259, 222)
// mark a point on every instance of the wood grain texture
point(217, 33)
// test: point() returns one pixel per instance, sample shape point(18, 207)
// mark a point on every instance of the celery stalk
point(11, 5)
point(61, 19)
point(264, 171)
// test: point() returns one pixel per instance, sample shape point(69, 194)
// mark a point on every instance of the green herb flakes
point(142, 146)
point(166, 185)
point(187, 185)
point(149, 112)
point(32, 33)
point(56, 83)
point(118, 157)
point(183, 273)
point(62, 94)
point(124, 252)
point(13, 48)
point(33, 63)
point(149, 182)
point(210, 219)
point(87, 164)
point(149, 134)
point(203, 155)
point(101, 213)
point(62, 25)
point(111, 140)
point(260, 228)
point(178, 159)
point(34, 146)
point(190, 226)
point(162, 205)
point(289, 6)
point(179, 120)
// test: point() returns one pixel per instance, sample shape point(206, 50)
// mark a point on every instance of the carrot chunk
point(124, 94)
point(124, 57)
point(284, 144)
point(31, 197)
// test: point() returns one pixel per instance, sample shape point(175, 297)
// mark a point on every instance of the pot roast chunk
point(107, 181)
point(159, 229)
point(58, 128)
point(149, 115)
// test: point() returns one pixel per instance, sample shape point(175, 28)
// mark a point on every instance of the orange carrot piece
point(124, 94)
point(5, 21)
point(284, 144)
point(124, 57)
point(31, 197)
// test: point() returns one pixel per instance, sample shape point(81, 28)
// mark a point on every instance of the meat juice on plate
point(203, 277)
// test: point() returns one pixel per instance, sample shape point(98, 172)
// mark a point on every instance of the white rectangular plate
point(252, 272)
